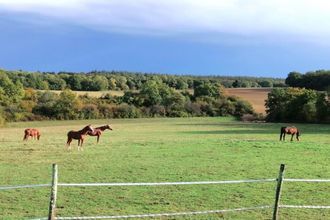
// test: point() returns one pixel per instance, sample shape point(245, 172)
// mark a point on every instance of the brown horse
point(31, 132)
point(78, 135)
point(98, 131)
point(289, 130)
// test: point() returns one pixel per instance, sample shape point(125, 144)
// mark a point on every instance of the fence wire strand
point(24, 186)
point(168, 183)
point(175, 183)
point(163, 214)
point(306, 206)
point(308, 180)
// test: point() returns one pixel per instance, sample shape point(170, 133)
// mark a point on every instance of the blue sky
point(209, 37)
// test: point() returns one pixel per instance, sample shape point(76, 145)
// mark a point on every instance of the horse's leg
point(68, 143)
point(281, 136)
point(292, 137)
point(98, 138)
point(78, 144)
point(25, 138)
point(297, 136)
point(81, 143)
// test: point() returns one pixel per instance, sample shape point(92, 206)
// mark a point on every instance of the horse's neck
point(102, 128)
point(84, 130)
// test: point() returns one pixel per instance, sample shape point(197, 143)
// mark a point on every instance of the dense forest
point(297, 105)
point(103, 80)
point(158, 95)
point(318, 80)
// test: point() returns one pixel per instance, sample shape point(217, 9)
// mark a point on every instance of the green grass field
point(162, 150)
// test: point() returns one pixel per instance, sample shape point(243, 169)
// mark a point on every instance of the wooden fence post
point(53, 194)
point(278, 192)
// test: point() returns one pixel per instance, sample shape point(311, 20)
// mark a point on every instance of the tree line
point(298, 105)
point(317, 80)
point(119, 80)
point(154, 99)
point(154, 96)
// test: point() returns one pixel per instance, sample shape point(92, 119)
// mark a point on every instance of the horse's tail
point(298, 133)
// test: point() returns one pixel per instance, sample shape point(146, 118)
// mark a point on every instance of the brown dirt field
point(95, 94)
point(256, 96)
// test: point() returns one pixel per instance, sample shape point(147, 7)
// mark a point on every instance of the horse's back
point(289, 130)
point(74, 134)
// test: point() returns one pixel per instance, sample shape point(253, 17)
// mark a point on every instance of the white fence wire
point(168, 183)
point(24, 186)
point(306, 206)
point(308, 180)
point(165, 214)
point(176, 183)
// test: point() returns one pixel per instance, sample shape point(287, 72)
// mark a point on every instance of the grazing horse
point(98, 131)
point(289, 130)
point(78, 135)
point(31, 132)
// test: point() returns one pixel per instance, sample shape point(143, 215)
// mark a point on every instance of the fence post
point(278, 192)
point(53, 194)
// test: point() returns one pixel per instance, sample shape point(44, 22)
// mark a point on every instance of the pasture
point(164, 150)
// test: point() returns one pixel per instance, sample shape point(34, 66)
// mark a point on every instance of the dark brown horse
point(289, 130)
point(98, 131)
point(31, 132)
point(78, 135)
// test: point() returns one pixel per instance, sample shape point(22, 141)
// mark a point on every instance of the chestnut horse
point(98, 131)
point(31, 132)
point(78, 135)
point(289, 130)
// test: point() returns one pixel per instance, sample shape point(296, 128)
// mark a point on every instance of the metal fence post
point(53, 194)
point(278, 192)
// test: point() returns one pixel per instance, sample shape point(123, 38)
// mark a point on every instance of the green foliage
point(155, 99)
point(10, 92)
point(151, 93)
point(207, 89)
point(67, 106)
point(126, 111)
point(118, 80)
point(318, 80)
point(294, 104)
point(89, 111)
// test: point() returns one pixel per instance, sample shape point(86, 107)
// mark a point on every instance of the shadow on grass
point(236, 132)
point(259, 128)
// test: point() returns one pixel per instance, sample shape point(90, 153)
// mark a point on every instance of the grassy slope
point(154, 150)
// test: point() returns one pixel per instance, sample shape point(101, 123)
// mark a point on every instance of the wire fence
point(276, 206)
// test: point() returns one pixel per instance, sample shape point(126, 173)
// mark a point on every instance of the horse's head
point(89, 128)
point(109, 127)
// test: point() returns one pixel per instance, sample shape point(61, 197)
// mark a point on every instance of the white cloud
point(304, 19)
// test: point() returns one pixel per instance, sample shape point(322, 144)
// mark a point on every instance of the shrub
point(89, 111)
point(126, 111)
